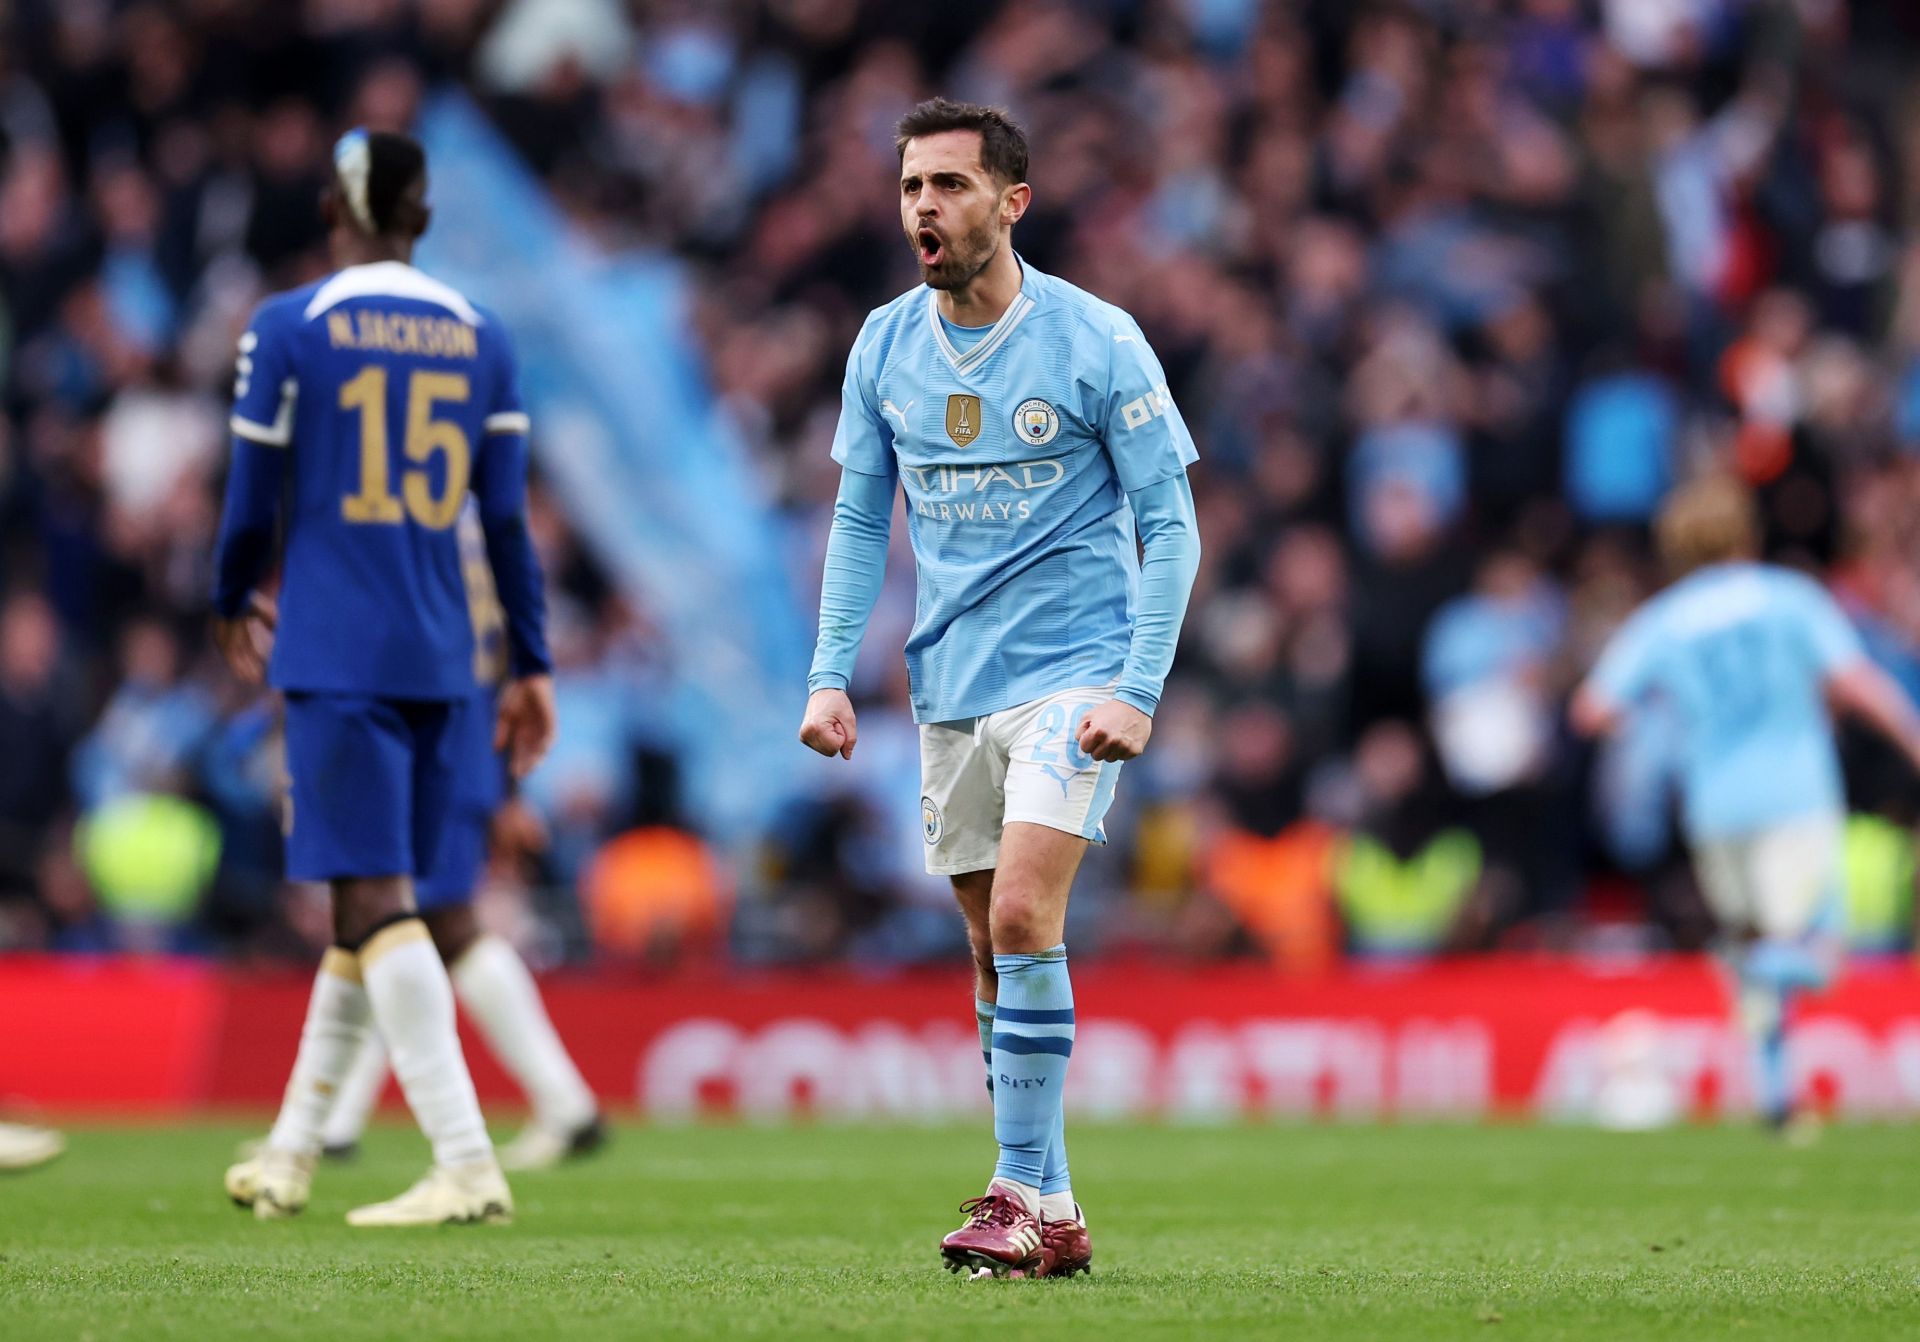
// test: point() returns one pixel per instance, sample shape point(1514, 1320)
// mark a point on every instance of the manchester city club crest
point(963, 418)
point(1036, 422)
point(930, 820)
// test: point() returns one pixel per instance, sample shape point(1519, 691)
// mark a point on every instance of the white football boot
point(274, 1183)
point(472, 1194)
point(22, 1147)
point(541, 1147)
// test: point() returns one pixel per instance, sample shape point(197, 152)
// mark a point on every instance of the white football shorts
point(1020, 764)
point(1785, 881)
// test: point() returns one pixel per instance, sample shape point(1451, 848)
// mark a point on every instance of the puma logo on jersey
point(1124, 339)
point(888, 407)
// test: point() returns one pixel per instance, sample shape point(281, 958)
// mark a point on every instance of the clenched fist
point(829, 727)
point(1115, 730)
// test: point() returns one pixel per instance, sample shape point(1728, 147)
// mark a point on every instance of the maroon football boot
point(1001, 1237)
point(1066, 1246)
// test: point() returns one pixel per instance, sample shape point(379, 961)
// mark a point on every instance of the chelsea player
point(1041, 454)
point(489, 978)
point(1748, 657)
point(366, 407)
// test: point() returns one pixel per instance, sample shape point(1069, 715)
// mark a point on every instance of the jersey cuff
point(508, 421)
point(278, 434)
point(826, 680)
point(1166, 472)
point(874, 471)
point(1139, 699)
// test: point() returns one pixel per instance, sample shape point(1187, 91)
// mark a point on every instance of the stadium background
point(1451, 292)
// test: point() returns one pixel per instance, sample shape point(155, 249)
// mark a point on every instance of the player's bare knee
point(454, 930)
point(362, 905)
point(1021, 921)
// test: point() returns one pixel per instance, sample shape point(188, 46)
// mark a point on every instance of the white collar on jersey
point(996, 336)
point(389, 279)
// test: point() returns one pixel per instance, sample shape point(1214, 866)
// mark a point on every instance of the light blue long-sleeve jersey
point(1028, 458)
point(1741, 652)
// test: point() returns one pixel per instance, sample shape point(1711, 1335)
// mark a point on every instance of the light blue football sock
point(1772, 972)
point(1773, 1085)
point(1032, 1040)
point(1785, 965)
point(1055, 1178)
point(1763, 1011)
point(983, 1014)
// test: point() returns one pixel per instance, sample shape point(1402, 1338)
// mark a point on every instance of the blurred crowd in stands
point(1450, 292)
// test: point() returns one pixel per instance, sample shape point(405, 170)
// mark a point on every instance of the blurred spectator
point(152, 726)
point(39, 722)
point(1487, 666)
point(150, 858)
point(1621, 434)
point(1404, 874)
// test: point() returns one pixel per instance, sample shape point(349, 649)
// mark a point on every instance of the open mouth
point(932, 250)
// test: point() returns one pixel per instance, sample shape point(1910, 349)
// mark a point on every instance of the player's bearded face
point(950, 208)
point(953, 249)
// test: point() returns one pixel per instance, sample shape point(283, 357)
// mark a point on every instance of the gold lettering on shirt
point(402, 333)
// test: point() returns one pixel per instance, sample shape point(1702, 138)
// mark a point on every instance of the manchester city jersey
point(386, 387)
point(1016, 454)
point(1740, 652)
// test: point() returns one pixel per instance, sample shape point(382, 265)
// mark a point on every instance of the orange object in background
point(1759, 373)
point(1281, 891)
point(652, 887)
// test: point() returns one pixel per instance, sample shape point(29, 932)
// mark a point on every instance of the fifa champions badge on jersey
point(930, 823)
point(1036, 421)
point(963, 418)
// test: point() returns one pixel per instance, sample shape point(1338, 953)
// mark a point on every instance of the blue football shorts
point(372, 784)
point(479, 787)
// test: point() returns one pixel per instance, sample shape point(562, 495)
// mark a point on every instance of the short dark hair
point(375, 173)
point(1003, 145)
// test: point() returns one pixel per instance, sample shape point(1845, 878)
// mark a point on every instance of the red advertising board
point(121, 1034)
point(1533, 1036)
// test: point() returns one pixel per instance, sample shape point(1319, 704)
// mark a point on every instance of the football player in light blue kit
point(1749, 656)
point(1054, 540)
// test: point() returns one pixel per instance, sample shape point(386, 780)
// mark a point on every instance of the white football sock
point(338, 1018)
point(358, 1094)
point(1059, 1206)
point(501, 996)
point(413, 1010)
point(1027, 1193)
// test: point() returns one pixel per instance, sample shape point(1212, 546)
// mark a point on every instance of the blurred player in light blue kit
point(1044, 466)
point(367, 408)
point(1749, 657)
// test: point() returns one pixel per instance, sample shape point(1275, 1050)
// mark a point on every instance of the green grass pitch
point(1294, 1232)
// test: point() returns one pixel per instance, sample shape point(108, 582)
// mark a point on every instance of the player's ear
point(423, 215)
point(330, 206)
point(1014, 202)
